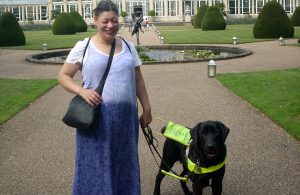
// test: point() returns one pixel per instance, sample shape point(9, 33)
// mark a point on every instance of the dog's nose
point(211, 146)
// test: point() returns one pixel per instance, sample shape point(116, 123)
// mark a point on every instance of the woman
point(107, 156)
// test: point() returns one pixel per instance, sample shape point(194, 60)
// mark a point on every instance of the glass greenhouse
point(165, 10)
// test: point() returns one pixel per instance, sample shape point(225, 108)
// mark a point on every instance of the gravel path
point(37, 149)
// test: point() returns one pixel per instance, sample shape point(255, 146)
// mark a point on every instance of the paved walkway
point(37, 149)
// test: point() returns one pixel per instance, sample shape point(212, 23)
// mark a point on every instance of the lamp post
point(45, 46)
point(161, 40)
point(234, 39)
point(212, 68)
point(281, 41)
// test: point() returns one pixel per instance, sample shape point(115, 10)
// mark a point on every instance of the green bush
point(151, 13)
point(11, 33)
point(295, 19)
point(80, 24)
point(272, 22)
point(199, 16)
point(213, 19)
point(123, 14)
point(63, 25)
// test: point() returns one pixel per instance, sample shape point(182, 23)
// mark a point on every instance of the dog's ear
point(194, 132)
point(224, 130)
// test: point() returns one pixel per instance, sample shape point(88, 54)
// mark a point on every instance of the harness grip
point(175, 176)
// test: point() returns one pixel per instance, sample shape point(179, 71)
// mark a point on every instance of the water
point(157, 55)
point(183, 54)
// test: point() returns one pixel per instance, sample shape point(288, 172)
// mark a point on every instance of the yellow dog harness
point(182, 135)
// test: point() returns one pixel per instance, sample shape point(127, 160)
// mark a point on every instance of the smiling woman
point(107, 154)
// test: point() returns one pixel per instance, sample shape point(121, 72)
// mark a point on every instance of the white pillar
point(239, 7)
point(195, 7)
point(37, 10)
point(166, 8)
point(94, 4)
point(180, 9)
point(151, 5)
point(79, 4)
point(65, 6)
point(124, 8)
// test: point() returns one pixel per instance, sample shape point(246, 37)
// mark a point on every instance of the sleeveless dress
point(107, 157)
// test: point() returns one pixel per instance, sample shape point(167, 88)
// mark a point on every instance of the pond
point(159, 54)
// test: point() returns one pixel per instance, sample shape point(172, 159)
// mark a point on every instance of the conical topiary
point(63, 25)
point(272, 22)
point(11, 33)
point(213, 19)
point(200, 15)
point(295, 19)
point(81, 26)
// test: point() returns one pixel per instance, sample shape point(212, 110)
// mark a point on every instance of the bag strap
point(126, 44)
point(85, 51)
point(99, 89)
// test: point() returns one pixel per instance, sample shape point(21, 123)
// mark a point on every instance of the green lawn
point(17, 94)
point(189, 35)
point(35, 39)
point(275, 93)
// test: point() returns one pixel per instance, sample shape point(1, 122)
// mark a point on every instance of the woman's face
point(107, 23)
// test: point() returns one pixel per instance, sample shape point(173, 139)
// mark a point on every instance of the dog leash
point(153, 148)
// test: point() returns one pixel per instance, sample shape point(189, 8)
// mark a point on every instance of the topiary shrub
point(11, 33)
point(213, 19)
point(63, 25)
point(80, 24)
point(199, 16)
point(295, 19)
point(272, 22)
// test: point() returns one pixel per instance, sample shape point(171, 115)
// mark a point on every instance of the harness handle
point(150, 141)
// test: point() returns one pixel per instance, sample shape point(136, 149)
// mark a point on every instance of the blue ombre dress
point(107, 157)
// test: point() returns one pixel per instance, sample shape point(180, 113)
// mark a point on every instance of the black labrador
point(207, 148)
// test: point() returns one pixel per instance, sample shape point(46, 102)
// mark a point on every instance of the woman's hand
point(90, 96)
point(145, 119)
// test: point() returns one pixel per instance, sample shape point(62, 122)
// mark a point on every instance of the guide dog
point(207, 149)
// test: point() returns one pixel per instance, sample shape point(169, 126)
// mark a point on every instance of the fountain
point(161, 54)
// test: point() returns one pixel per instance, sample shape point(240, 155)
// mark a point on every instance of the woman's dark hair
point(105, 5)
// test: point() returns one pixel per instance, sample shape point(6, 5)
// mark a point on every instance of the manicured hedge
point(81, 25)
point(11, 33)
point(295, 19)
point(213, 19)
point(199, 16)
point(63, 25)
point(273, 22)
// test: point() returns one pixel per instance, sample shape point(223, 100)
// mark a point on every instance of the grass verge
point(189, 35)
point(275, 93)
point(35, 39)
point(16, 94)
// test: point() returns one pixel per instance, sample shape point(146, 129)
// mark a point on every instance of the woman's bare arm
point(142, 95)
point(65, 78)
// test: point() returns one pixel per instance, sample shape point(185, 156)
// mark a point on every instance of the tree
point(63, 25)
point(295, 19)
point(273, 22)
point(11, 33)
point(197, 20)
point(80, 24)
point(213, 19)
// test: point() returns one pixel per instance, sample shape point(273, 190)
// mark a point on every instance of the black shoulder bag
point(80, 114)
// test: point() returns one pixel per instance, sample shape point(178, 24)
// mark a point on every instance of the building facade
point(39, 11)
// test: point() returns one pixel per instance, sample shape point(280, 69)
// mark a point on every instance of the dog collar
point(194, 168)
point(178, 133)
